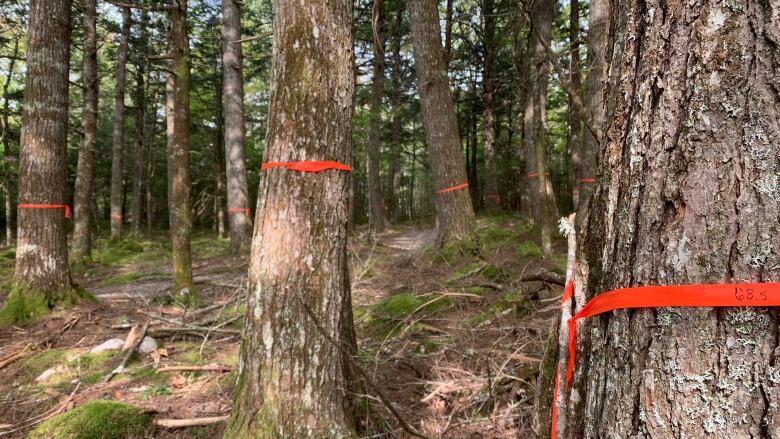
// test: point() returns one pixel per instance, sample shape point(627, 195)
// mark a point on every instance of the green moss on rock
point(95, 420)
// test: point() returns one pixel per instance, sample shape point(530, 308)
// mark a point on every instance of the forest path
point(412, 240)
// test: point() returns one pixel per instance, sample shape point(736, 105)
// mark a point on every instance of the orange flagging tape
point(46, 206)
point(536, 174)
point(454, 188)
point(587, 180)
point(695, 296)
point(307, 166)
point(244, 210)
point(116, 216)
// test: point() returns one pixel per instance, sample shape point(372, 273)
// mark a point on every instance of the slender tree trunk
point(5, 141)
point(83, 198)
point(150, 166)
point(687, 194)
point(232, 65)
point(118, 139)
point(376, 209)
point(471, 149)
point(521, 51)
point(219, 164)
point(598, 27)
point(448, 17)
point(454, 212)
point(394, 175)
point(575, 112)
point(293, 382)
point(491, 198)
point(140, 125)
point(179, 203)
point(42, 274)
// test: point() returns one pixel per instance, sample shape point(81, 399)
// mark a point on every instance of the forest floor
point(454, 339)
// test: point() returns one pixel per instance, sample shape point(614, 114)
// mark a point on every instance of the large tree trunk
point(687, 194)
point(577, 179)
point(292, 380)
point(454, 212)
point(521, 50)
point(140, 126)
point(491, 197)
point(376, 208)
point(5, 141)
point(598, 26)
point(118, 138)
point(233, 100)
point(394, 174)
point(179, 204)
point(42, 274)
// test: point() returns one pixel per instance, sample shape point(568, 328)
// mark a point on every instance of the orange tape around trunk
point(536, 174)
point(307, 166)
point(587, 180)
point(244, 210)
point(454, 188)
point(46, 206)
point(116, 216)
point(695, 296)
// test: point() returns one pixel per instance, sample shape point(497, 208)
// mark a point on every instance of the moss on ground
point(25, 304)
point(529, 249)
point(95, 420)
point(126, 278)
point(387, 317)
point(209, 247)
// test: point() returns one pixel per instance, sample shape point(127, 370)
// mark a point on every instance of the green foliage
point(96, 419)
point(126, 278)
point(529, 249)
point(40, 361)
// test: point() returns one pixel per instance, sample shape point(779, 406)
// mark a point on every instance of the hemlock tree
point(293, 382)
point(454, 212)
point(394, 173)
point(85, 167)
point(688, 194)
point(118, 137)
point(575, 112)
point(239, 218)
point(491, 198)
point(376, 208)
point(42, 274)
point(178, 107)
point(139, 100)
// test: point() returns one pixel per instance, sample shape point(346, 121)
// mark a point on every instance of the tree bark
point(448, 17)
point(151, 162)
point(118, 138)
point(140, 126)
point(454, 212)
point(394, 175)
point(42, 273)
point(598, 27)
point(179, 203)
point(5, 141)
point(293, 382)
point(687, 194)
point(376, 208)
point(219, 163)
point(521, 52)
point(578, 179)
point(491, 198)
point(240, 220)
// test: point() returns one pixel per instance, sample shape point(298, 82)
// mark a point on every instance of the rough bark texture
point(575, 112)
point(118, 137)
point(454, 211)
point(394, 174)
point(41, 247)
point(688, 193)
point(598, 26)
point(139, 147)
point(491, 197)
point(521, 50)
point(448, 17)
point(179, 204)
point(376, 208)
point(292, 380)
point(219, 164)
point(5, 141)
point(82, 193)
point(240, 221)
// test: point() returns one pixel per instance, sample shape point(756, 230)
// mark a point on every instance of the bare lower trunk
point(179, 204)
point(454, 211)
point(233, 101)
point(394, 175)
point(140, 135)
point(292, 380)
point(118, 138)
point(376, 208)
point(491, 198)
point(219, 165)
point(577, 179)
point(687, 194)
point(149, 170)
point(5, 141)
point(522, 49)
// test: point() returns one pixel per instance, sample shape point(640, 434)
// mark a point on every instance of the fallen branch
point(252, 38)
point(31, 347)
point(549, 277)
point(206, 368)
point(129, 353)
point(179, 423)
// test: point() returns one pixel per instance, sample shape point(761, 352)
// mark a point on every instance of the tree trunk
point(233, 100)
point(179, 204)
point(376, 209)
point(219, 164)
point(521, 51)
point(394, 175)
point(5, 141)
point(448, 32)
point(687, 194)
point(151, 162)
point(577, 179)
point(491, 198)
point(293, 381)
point(42, 275)
point(140, 126)
point(454, 212)
point(118, 138)
point(598, 27)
